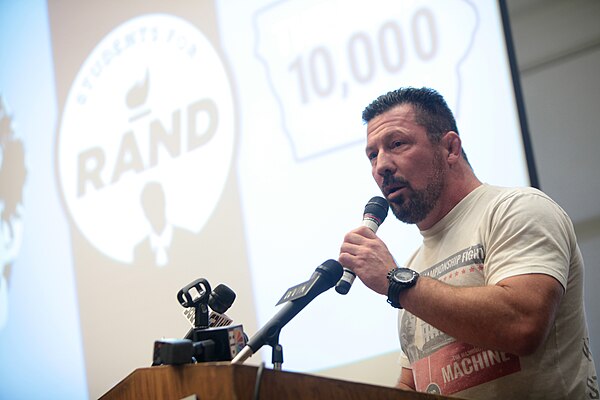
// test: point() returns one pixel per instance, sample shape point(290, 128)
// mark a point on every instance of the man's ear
point(453, 145)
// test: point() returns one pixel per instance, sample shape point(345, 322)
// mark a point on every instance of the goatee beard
point(415, 205)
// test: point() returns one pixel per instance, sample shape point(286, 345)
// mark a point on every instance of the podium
point(225, 381)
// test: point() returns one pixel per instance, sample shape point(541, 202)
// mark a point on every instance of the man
point(493, 299)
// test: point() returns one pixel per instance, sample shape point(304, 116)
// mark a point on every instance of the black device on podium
point(203, 343)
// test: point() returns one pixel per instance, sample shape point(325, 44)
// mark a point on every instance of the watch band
point(400, 279)
point(393, 290)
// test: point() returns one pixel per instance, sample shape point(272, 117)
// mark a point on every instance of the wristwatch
point(400, 279)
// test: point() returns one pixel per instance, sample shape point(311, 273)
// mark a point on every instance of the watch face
point(403, 275)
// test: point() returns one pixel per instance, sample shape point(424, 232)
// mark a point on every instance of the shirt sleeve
point(403, 361)
point(528, 233)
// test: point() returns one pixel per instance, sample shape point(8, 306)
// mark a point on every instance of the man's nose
point(385, 164)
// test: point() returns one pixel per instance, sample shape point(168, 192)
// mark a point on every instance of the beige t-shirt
point(492, 234)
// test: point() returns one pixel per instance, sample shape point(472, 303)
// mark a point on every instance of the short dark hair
point(431, 110)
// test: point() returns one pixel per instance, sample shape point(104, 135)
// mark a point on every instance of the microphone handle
point(345, 283)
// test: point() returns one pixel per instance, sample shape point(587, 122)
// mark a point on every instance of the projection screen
point(236, 125)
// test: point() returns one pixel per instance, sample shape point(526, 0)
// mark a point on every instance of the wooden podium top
point(223, 381)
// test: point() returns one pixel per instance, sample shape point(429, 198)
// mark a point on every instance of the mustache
point(391, 183)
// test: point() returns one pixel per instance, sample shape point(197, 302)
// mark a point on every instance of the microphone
point(375, 212)
point(221, 341)
point(324, 278)
point(210, 338)
point(219, 300)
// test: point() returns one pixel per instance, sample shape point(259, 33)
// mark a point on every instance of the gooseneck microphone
point(324, 278)
point(375, 212)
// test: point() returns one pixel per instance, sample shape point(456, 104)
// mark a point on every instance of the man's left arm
point(515, 315)
point(527, 265)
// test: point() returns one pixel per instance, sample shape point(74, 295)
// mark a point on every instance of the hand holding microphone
point(375, 212)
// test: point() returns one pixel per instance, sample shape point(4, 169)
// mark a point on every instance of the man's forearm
point(514, 317)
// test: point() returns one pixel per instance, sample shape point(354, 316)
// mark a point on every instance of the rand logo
point(151, 104)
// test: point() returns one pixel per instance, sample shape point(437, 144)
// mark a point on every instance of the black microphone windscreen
point(375, 212)
point(377, 207)
point(331, 271)
point(221, 298)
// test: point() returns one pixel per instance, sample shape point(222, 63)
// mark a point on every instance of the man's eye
point(397, 143)
point(372, 156)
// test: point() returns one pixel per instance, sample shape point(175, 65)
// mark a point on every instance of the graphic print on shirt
point(441, 364)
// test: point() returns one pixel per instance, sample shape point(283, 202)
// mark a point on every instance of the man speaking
point(491, 303)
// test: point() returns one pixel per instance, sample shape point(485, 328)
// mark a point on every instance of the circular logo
point(151, 103)
point(433, 388)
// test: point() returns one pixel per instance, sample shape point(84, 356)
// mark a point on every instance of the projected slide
point(150, 143)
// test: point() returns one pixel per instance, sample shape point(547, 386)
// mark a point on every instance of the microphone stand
point(277, 352)
point(200, 304)
point(324, 277)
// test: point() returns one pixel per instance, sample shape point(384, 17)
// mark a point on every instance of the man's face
point(408, 168)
